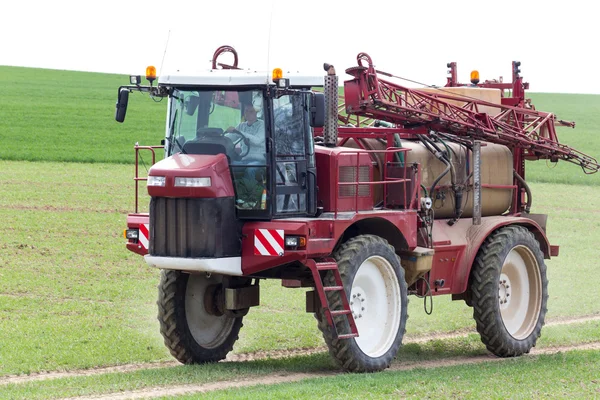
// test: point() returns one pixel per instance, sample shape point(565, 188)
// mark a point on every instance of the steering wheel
point(242, 139)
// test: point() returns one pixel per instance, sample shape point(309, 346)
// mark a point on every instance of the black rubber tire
point(174, 324)
point(350, 256)
point(485, 281)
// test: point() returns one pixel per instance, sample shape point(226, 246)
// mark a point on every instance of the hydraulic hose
point(527, 190)
point(458, 191)
point(439, 178)
point(435, 150)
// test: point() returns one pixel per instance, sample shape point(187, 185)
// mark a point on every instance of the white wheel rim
point(208, 330)
point(520, 292)
point(376, 303)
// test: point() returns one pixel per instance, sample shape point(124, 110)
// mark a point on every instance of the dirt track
point(185, 389)
point(287, 378)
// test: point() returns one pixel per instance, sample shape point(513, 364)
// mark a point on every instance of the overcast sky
point(557, 42)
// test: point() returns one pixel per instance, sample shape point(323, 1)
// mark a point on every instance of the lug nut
point(351, 302)
point(353, 296)
point(358, 295)
point(363, 309)
point(507, 294)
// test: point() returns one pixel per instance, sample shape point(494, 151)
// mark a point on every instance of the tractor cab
point(259, 126)
point(265, 134)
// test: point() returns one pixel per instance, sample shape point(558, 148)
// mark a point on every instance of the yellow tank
point(496, 169)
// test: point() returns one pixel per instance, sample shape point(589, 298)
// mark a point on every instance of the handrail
point(385, 179)
point(137, 178)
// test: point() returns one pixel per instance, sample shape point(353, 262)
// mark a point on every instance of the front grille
point(194, 228)
point(348, 174)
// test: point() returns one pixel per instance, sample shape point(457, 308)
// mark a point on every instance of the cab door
point(290, 136)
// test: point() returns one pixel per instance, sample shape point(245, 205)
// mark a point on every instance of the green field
point(72, 296)
point(52, 115)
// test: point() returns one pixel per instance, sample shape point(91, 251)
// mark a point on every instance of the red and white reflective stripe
point(268, 242)
point(143, 235)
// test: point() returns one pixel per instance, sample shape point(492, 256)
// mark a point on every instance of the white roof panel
point(233, 77)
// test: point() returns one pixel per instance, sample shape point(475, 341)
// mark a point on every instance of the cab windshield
point(227, 122)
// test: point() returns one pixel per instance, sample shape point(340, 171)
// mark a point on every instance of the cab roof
point(234, 77)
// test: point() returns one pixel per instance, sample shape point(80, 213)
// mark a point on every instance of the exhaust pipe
point(330, 130)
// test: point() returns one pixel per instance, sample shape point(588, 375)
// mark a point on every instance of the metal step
point(326, 266)
point(347, 335)
point(331, 265)
point(340, 312)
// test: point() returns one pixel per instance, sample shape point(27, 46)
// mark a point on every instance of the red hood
point(214, 167)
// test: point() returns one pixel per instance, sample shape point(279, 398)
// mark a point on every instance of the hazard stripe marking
point(268, 242)
point(144, 235)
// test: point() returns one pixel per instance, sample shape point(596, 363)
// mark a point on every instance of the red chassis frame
point(455, 246)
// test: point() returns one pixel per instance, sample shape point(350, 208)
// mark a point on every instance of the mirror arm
point(154, 91)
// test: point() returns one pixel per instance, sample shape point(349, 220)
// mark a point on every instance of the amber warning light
point(474, 77)
point(151, 74)
point(277, 74)
point(278, 78)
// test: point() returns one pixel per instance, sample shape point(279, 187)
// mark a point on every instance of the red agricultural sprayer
point(397, 192)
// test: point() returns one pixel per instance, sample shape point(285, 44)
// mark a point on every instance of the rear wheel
point(509, 291)
point(193, 328)
point(377, 292)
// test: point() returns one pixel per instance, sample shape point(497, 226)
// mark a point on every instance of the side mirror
point(317, 110)
point(121, 107)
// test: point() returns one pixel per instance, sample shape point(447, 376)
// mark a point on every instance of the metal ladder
point(331, 265)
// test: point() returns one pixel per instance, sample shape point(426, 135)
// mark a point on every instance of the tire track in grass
point(155, 392)
point(275, 354)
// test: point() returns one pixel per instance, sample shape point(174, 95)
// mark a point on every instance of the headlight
point(156, 181)
point(292, 242)
point(131, 234)
point(192, 182)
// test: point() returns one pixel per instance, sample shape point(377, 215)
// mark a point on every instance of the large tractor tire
point(509, 291)
point(374, 281)
point(193, 330)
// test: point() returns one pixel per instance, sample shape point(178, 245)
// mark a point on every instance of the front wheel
point(193, 329)
point(509, 291)
point(374, 282)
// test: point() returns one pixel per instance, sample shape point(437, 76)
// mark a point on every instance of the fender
point(476, 235)
point(324, 234)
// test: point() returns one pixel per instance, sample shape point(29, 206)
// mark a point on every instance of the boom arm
point(368, 95)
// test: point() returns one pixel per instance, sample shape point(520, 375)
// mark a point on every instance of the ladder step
point(326, 266)
point(332, 288)
point(340, 312)
point(347, 335)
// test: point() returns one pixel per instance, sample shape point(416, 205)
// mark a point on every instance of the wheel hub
point(358, 303)
point(213, 300)
point(504, 291)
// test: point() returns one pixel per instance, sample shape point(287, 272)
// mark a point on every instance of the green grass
point(53, 115)
point(66, 274)
point(569, 375)
point(409, 355)
point(585, 111)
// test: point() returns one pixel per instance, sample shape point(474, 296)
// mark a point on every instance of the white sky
point(557, 42)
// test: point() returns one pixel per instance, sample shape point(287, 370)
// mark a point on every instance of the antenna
point(269, 40)
point(164, 54)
